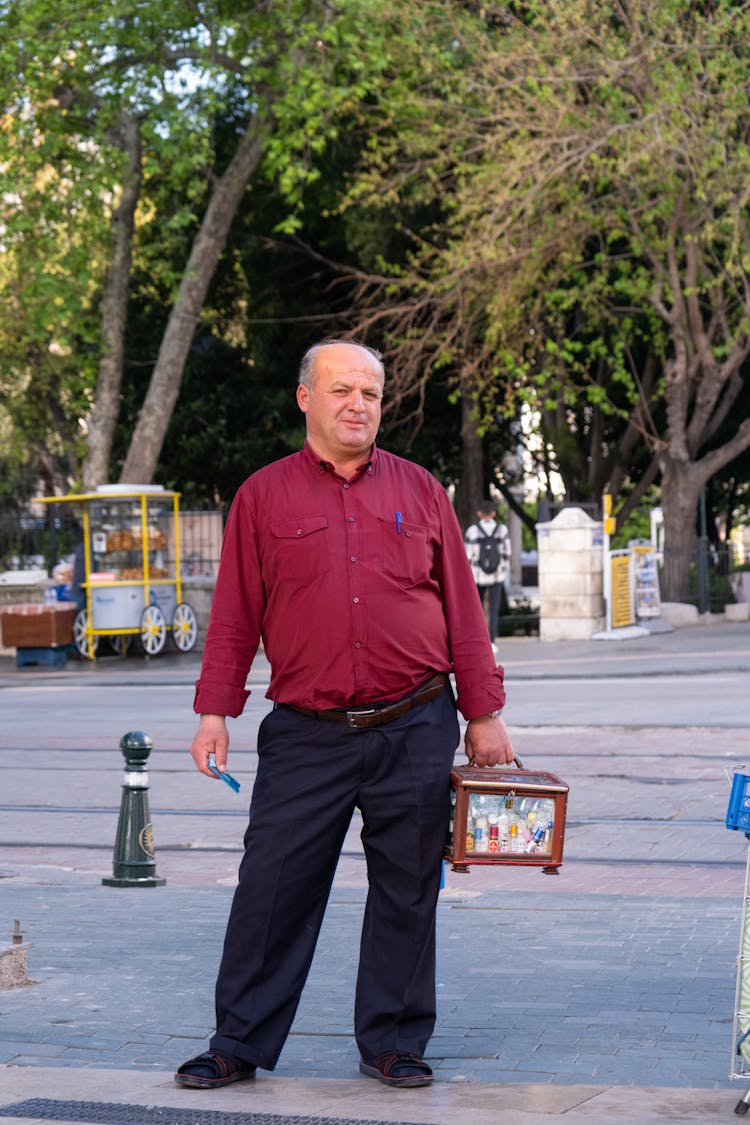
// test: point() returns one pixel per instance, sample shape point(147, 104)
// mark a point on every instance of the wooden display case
point(506, 815)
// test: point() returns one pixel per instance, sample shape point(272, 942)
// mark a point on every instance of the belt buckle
point(352, 716)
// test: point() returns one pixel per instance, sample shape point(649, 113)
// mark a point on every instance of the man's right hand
point(211, 737)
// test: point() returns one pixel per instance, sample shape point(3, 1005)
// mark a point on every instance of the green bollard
point(133, 863)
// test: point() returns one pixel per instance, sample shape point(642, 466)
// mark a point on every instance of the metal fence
point(200, 542)
point(709, 567)
point(29, 541)
point(24, 541)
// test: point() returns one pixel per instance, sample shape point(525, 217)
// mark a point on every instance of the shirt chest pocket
point(407, 552)
point(299, 548)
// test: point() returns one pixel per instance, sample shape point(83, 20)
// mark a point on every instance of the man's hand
point(211, 737)
point(487, 742)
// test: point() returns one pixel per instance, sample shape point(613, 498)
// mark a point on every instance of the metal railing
point(38, 542)
point(704, 573)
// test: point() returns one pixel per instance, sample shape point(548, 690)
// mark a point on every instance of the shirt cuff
point(219, 699)
point(482, 696)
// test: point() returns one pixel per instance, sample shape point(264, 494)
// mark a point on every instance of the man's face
point(342, 407)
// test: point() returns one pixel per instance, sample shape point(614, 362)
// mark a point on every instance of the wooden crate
point(32, 625)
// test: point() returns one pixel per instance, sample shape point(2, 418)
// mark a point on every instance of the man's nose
point(357, 401)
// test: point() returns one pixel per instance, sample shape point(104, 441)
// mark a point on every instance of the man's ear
point(303, 397)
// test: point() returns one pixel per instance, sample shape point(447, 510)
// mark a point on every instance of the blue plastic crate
point(738, 811)
point(56, 656)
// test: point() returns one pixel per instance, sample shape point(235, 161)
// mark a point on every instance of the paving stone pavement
point(531, 987)
point(613, 980)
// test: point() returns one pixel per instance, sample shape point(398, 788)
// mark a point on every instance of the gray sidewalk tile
point(47, 1051)
point(499, 1023)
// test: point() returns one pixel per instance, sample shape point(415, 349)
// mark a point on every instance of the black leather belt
point(362, 717)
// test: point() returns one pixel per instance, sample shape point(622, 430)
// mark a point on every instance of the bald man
point(349, 563)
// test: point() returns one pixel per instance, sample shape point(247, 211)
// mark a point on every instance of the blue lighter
point(231, 781)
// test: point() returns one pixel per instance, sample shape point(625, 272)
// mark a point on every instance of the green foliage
point(196, 78)
point(596, 234)
point(530, 189)
point(636, 526)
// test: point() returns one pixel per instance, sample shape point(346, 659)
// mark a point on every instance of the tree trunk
point(103, 417)
point(681, 485)
point(154, 417)
point(471, 485)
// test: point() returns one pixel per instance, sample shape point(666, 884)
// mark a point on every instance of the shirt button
point(353, 558)
point(346, 485)
point(357, 644)
point(355, 600)
point(351, 519)
point(299, 530)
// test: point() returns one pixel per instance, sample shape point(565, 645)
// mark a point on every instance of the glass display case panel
point(519, 824)
point(127, 539)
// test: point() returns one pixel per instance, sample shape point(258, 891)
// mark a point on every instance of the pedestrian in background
point(488, 549)
point(349, 563)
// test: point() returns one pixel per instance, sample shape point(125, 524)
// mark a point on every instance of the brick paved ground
point(619, 971)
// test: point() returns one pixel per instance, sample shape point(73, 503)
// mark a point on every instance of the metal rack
point(738, 819)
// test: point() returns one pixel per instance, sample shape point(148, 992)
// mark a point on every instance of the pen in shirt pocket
point(399, 517)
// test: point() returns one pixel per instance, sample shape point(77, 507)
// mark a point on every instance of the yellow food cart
point(133, 588)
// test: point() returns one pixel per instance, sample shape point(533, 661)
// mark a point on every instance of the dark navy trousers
point(312, 774)
point(495, 594)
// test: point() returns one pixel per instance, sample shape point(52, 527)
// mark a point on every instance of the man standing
point(488, 550)
point(349, 563)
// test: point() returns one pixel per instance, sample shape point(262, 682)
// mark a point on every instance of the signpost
point(619, 577)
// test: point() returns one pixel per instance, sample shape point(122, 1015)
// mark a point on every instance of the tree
point(596, 162)
point(679, 218)
point(49, 271)
point(126, 94)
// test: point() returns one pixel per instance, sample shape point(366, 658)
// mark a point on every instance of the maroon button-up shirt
point(359, 589)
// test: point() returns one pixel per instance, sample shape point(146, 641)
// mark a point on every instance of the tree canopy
point(593, 257)
point(110, 97)
point(537, 208)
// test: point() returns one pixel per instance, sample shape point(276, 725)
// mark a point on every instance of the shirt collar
point(320, 466)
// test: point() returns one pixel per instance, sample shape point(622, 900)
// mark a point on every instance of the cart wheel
point(741, 1108)
point(184, 627)
point(80, 636)
point(153, 630)
point(120, 643)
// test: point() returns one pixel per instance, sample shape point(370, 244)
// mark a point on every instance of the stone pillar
point(571, 599)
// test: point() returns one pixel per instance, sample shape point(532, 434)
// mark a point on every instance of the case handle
point(516, 761)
